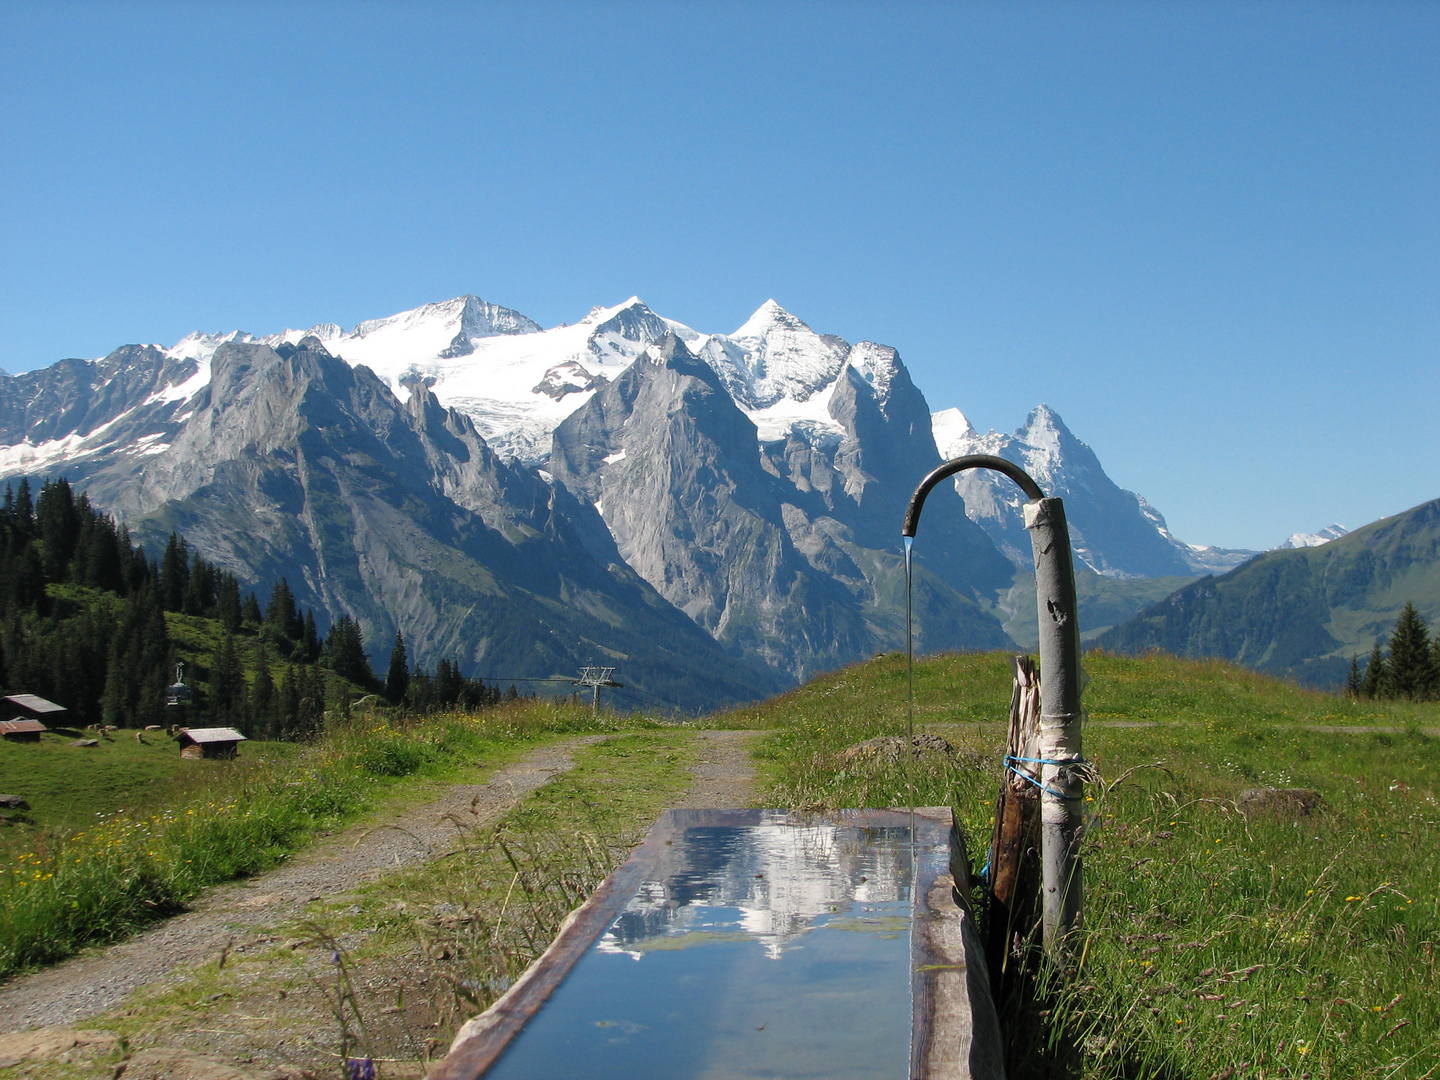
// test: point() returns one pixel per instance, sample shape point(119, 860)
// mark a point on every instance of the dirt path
point(89, 984)
point(724, 776)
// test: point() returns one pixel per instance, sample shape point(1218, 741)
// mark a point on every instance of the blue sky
point(1207, 234)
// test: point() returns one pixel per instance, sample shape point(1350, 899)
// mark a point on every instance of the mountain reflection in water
point(774, 949)
point(780, 876)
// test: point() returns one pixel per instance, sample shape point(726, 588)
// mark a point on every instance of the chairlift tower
point(596, 677)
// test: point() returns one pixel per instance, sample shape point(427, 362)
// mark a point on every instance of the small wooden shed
point(33, 707)
point(209, 742)
point(21, 730)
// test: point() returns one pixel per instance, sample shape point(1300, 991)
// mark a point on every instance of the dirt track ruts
point(723, 774)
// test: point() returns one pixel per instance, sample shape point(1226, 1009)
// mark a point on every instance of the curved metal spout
point(960, 464)
point(1061, 680)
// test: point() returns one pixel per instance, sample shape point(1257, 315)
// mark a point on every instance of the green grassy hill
point(1220, 943)
point(1301, 614)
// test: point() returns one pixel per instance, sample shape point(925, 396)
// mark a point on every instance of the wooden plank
point(956, 1032)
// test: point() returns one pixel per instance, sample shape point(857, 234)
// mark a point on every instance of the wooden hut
point(34, 707)
point(209, 742)
point(21, 730)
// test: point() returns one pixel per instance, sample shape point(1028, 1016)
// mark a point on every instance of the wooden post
point(1062, 792)
point(1015, 845)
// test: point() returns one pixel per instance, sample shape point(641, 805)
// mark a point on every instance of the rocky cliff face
point(786, 551)
point(88, 416)
point(1114, 532)
point(293, 463)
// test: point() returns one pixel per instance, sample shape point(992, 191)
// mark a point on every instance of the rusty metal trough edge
point(956, 1033)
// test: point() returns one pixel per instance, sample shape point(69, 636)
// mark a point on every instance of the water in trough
point(779, 948)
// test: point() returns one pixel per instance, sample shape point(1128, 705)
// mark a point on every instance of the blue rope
point(1043, 761)
point(1047, 761)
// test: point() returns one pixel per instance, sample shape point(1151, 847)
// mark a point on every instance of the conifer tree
point(250, 610)
point(24, 510)
point(114, 700)
point(227, 603)
point(262, 696)
point(1410, 671)
point(281, 615)
point(1353, 681)
point(104, 564)
point(421, 691)
point(1372, 685)
point(27, 583)
point(174, 573)
point(227, 684)
point(136, 567)
point(311, 710)
point(287, 707)
point(449, 683)
point(397, 676)
point(309, 644)
point(199, 587)
point(345, 651)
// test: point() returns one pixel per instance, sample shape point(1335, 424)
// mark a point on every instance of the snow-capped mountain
point(782, 554)
point(1114, 532)
point(518, 381)
point(1315, 539)
point(754, 480)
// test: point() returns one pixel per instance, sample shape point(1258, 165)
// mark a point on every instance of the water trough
point(758, 943)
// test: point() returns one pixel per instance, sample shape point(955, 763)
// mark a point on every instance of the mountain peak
point(601, 314)
point(467, 314)
point(1045, 431)
point(950, 426)
point(876, 365)
point(201, 346)
point(1315, 539)
point(480, 318)
point(770, 316)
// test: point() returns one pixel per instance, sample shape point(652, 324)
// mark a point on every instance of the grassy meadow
point(68, 787)
point(1218, 945)
point(138, 833)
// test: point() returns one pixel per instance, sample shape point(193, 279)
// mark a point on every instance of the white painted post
point(1062, 805)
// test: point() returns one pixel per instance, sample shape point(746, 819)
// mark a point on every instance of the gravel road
point(723, 774)
point(93, 982)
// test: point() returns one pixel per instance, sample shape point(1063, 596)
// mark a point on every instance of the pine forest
point(92, 622)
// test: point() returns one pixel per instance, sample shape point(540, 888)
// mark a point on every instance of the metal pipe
point(960, 464)
point(1062, 795)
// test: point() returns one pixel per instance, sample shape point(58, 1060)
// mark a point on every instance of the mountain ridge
point(296, 464)
point(753, 481)
point(1301, 612)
